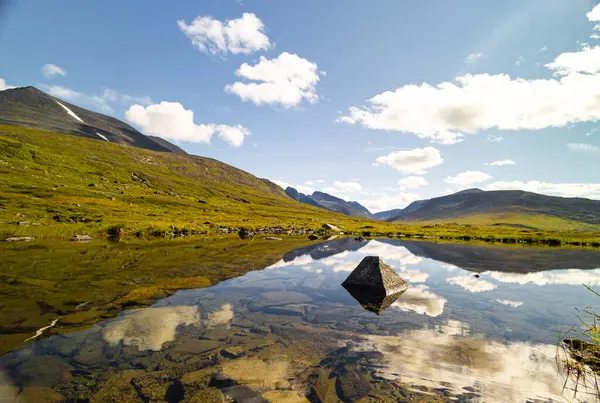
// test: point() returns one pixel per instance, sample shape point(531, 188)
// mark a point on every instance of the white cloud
point(413, 276)
point(583, 147)
point(422, 301)
point(309, 183)
point(343, 187)
point(150, 328)
point(589, 190)
point(519, 61)
point(594, 15)
point(500, 163)
point(586, 60)
point(473, 57)
point(100, 102)
point(468, 178)
point(312, 269)
point(169, 120)
point(507, 302)
point(542, 278)
point(495, 139)
point(390, 252)
point(447, 357)
point(544, 48)
point(412, 182)
point(472, 284)
point(4, 85)
point(286, 80)
point(389, 202)
point(465, 105)
point(243, 35)
point(415, 161)
point(52, 70)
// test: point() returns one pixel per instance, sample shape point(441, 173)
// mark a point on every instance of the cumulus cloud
point(562, 277)
point(243, 35)
point(100, 102)
point(421, 300)
point(507, 302)
point(447, 357)
point(586, 60)
point(500, 163)
point(413, 276)
point(412, 182)
point(589, 190)
point(287, 80)
point(150, 328)
point(388, 202)
point(495, 139)
point(390, 252)
point(473, 57)
point(465, 106)
point(415, 161)
point(4, 85)
point(472, 284)
point(468, 178)
point(343, 187)
point(583, 147)
point(52, 70)
point(171, 121)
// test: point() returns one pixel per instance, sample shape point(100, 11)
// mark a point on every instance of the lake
point(478, 323)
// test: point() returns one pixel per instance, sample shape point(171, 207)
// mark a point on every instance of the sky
point(384, 103)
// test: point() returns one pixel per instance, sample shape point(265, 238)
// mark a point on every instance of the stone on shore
point(19, 239)
point(81, 238)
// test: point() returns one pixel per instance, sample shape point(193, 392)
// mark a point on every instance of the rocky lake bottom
point(478, 323)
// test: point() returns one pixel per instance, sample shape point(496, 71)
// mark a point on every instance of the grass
point(42, 281)
point(59, 185)
point(579, 353)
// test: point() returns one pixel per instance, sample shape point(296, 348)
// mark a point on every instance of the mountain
point(386, 215)
point(331, 203)
point(172, 147)
point(505, 207)
point(30, 107)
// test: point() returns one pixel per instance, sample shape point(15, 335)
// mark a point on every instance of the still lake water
point(291, 333)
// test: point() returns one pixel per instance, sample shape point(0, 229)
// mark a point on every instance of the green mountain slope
point(53, 180)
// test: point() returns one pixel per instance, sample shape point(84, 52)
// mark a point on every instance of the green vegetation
point(579, 352)
point(81, 284)
point(53, 186)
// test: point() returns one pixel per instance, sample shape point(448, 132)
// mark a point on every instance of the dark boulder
point(376, 277)
point(313, 237)
point(245, 233)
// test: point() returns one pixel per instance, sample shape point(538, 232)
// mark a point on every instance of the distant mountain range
point(475, 206)
point(31, 107)
point(331, 203)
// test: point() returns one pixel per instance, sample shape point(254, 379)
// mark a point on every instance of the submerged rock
point(376, 277)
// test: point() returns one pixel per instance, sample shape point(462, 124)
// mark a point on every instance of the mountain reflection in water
point(291, 332)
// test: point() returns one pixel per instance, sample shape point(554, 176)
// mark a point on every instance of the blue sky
point(297, 111)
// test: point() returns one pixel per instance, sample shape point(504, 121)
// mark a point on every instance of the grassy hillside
point(517, 220)
point(55, 180)
point(57, 186)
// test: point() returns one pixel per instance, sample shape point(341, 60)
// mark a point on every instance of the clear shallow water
point(290, 332)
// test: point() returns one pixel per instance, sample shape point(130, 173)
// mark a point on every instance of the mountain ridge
point(33, 108)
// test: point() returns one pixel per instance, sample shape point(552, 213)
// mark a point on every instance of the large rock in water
point(376, 277)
